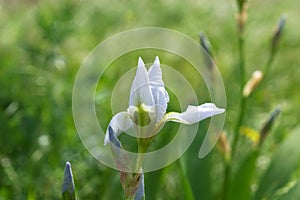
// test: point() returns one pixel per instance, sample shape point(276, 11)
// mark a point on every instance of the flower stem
point(140, 157)
point(269, 64)
point(130, 198)
point(226, 181)
point(243, 100)
point(187, 188)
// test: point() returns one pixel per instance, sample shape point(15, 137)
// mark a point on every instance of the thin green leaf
point(241, 181)
point(187, 188)
point(293, 193)
point(284, 162)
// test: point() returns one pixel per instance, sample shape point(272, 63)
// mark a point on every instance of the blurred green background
point(42, 44)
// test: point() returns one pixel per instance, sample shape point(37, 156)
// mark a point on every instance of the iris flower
point(147, 115)
point(148, 104)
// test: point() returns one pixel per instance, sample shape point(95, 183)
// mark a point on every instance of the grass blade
point(282, 165)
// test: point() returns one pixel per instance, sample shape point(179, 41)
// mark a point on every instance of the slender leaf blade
point(283, 163)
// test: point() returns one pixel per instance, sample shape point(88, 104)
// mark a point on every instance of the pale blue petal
point(140, 90)
point(159, 93)
point(155, 74)
point(120, 157)
point(121, 122)
point(194, 114)
point(140, 192)
point(161, 102)
point(113, 139)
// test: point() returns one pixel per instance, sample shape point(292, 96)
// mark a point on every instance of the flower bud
point(252, 83)
point(268, 125)
point(68, 186)
point(241, 3)
point(205, 44)
point(277, 33)
point(208, 55)
point(242, 16)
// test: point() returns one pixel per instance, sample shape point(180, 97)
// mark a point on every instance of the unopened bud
point(268, 125)
point(242, 16)
point(208, 54)
point(277, 33)
point(205, 44)
point(241, 3)
point(68, 186)
point(252, 83)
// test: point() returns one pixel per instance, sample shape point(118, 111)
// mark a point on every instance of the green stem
point(269, 64)
point(226, 180)
point(243, 100)
point(130, 198)
point(266, 70)
point(242, 109)
point(140, 156)
point(185, 182)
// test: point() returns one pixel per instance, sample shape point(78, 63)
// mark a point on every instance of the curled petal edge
point(121, 122)
point(194, 114)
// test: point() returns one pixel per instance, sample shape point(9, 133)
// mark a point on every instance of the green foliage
point(242, 180)
point(293, 193)
point(284, 162)
point(42, 44)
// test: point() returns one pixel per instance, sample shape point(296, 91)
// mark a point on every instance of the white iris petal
point(159, 93)
point(121, 122)
point(194, 114)
point(149, 95)
point(140, 90)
